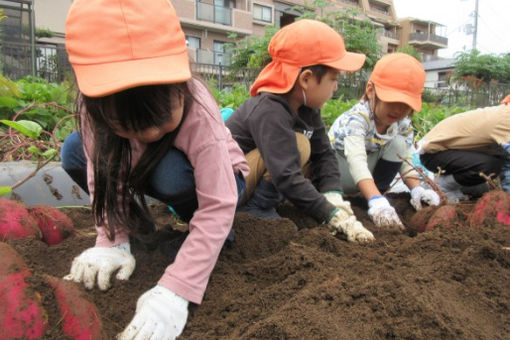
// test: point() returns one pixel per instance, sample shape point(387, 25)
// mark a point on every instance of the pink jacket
point(215, 157)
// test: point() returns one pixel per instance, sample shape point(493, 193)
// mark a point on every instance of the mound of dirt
point(277, 281)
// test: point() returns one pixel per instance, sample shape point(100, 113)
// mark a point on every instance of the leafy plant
point(430, 115)
point(230, 97)
point(409, 49)
point(28, 140)
point(483, 67)
point(23, 140)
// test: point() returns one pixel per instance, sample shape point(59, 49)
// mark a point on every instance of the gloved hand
point(160, 314)
point(419, 194)
point(382, 213)
point(347, 224)
point(102, 262)
point(335, 198)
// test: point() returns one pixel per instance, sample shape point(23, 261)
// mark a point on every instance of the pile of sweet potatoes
point(40, 222)
point(22, 314)
point(492, 207)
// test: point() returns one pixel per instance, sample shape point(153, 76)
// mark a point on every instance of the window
point(262, 13)
point(219, 53)
point(194, 46)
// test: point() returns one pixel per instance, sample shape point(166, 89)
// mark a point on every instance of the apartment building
point(427, 37)
point(210, 24)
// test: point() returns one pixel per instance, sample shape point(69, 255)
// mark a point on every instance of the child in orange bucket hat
point(148, 128)
point(370, 138)
point(281, 132)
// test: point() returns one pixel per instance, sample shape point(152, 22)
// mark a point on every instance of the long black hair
point(119, 189)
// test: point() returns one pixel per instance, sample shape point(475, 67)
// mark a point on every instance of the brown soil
point(277, 281)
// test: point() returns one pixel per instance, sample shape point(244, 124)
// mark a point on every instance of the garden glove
point(160, 315)
point(382, 213)
point(345, 222)
point(335, 198)
point(419, 194)
point(101, 262)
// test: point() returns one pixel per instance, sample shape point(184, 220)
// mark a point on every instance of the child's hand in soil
point(419, 194)
point(383, 214)
point(160, 314)
point(347, 224)
point(101, 262)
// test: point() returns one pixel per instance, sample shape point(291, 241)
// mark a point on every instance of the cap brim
point(349, 62)
point(391, 95)
point(103, 79)
point(276, 77)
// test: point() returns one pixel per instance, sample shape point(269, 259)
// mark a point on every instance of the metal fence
point(461, 95)
point(51, 63)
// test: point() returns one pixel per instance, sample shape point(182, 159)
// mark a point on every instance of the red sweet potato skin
point(21, 313)
point(494, 205)
point(16, 222)
point(55, 226)
point(445, 216)
point(80, 318)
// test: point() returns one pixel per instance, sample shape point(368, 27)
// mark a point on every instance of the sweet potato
point(54, 225)
point(494, 205)
point(16, 222)
point(21, 313)
point(444, 216)
point(418, 222)
point(80, 319)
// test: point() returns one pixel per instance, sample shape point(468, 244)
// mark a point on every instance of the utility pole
point(475, 29)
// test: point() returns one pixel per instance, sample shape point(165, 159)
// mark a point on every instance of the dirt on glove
point(290, 278)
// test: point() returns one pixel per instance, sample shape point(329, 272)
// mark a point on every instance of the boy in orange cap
point(370, 138)
point(280, 129)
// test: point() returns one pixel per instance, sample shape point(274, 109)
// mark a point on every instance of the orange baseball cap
point(506, 100)
point(115, 45)
point(399, 77)
point(303, 43)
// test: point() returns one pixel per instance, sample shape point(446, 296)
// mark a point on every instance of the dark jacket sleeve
point(325, 173)
point(271, 127)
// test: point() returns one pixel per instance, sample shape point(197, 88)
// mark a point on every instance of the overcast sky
point(493, 22)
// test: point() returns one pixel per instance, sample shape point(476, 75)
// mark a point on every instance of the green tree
point(360, 35)
point(409, 49)
point(482, 67)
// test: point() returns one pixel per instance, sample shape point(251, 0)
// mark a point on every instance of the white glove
point(160, 315)
point(382, 213)
point(348, 225)
point(102, 262)
point(335, 198)
point(419, 194)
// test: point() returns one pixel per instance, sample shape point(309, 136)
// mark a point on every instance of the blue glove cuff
point(375, 197)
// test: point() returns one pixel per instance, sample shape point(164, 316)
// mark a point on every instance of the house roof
point(439, 64)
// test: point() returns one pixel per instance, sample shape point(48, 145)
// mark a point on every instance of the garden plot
point(276, 282)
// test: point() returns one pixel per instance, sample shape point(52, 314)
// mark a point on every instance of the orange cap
point(115, 45)
point(398, 77)
point(506, 100)
point(303, 43)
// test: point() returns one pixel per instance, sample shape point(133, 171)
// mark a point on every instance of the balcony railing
point(428, 37)
point(217, 14)
point(392, 35)
point(211, 57)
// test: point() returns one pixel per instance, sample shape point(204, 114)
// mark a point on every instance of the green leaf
point(26, 127)
point(9, 102)
point(49, 153)
point(5, 190)
point(34, 150)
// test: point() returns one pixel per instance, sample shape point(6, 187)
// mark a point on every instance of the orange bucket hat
point(506, 100)
point(115, 45)
point(399, 77)
point(303, 43)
